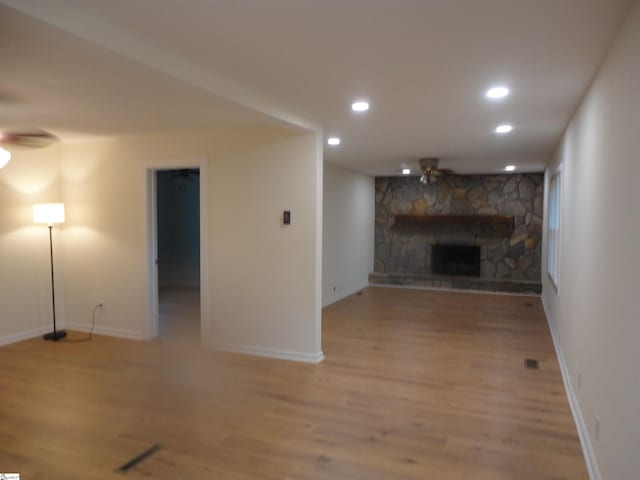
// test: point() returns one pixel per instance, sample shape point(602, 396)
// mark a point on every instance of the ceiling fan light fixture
point(5, 156)
point(429, 179)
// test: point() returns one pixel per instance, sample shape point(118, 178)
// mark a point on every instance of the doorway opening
point(178, 262)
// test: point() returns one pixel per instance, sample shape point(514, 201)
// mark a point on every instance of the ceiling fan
point(185, 173)
point(27, 138)
point(184, 177)
point(24, 138)
point(430, 171)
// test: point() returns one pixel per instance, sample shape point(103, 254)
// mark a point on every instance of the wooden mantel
point(500, 219)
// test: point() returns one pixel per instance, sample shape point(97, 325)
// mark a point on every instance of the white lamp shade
point(49, 213)
point(5, 156)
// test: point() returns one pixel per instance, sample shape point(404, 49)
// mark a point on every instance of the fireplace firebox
point(461, 260)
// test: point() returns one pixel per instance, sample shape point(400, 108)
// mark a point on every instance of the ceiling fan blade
point(28, 139)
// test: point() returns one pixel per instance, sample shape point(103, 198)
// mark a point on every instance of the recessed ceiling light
point(509, 168)
point(406, 171)
point(360, 106)
point(504, 128)
point(333, 141)
point(5, 156)
point(496, 93)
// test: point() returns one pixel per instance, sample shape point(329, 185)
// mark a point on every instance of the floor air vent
point(136, 460)
point(531, 363)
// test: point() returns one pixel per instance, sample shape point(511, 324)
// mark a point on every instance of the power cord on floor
point(93, 324)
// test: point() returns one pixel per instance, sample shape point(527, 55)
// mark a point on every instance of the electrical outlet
point(597, 428)
point(579, 379)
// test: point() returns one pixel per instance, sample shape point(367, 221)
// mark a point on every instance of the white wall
point(595, 316)
point(25, 278)
point(262, 276)
point(348, 219)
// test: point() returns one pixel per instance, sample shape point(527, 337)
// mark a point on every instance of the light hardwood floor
point(416, 385)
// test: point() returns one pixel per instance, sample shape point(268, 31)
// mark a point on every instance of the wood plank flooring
point(416, 385)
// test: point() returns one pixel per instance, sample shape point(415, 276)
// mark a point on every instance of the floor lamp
point(51, 214)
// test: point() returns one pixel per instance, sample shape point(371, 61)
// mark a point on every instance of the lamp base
point(55, 336)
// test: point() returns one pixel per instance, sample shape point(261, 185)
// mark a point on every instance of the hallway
point(179, 314)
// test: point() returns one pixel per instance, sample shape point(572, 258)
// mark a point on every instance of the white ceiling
point(127, 67)
point(78, 90)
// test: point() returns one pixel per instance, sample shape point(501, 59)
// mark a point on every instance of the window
point(554, 228)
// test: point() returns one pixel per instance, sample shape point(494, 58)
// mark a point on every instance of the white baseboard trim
point(271, 353)
point(339, 296)
point(25, 335)
point(108, 331)
point(585, 441)
point(455, 290)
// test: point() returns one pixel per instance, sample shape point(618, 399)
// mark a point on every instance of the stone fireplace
point(492, 223)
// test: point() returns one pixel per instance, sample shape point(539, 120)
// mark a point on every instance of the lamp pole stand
point(55, 335)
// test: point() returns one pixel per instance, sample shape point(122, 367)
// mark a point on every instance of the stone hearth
point(509, 254)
